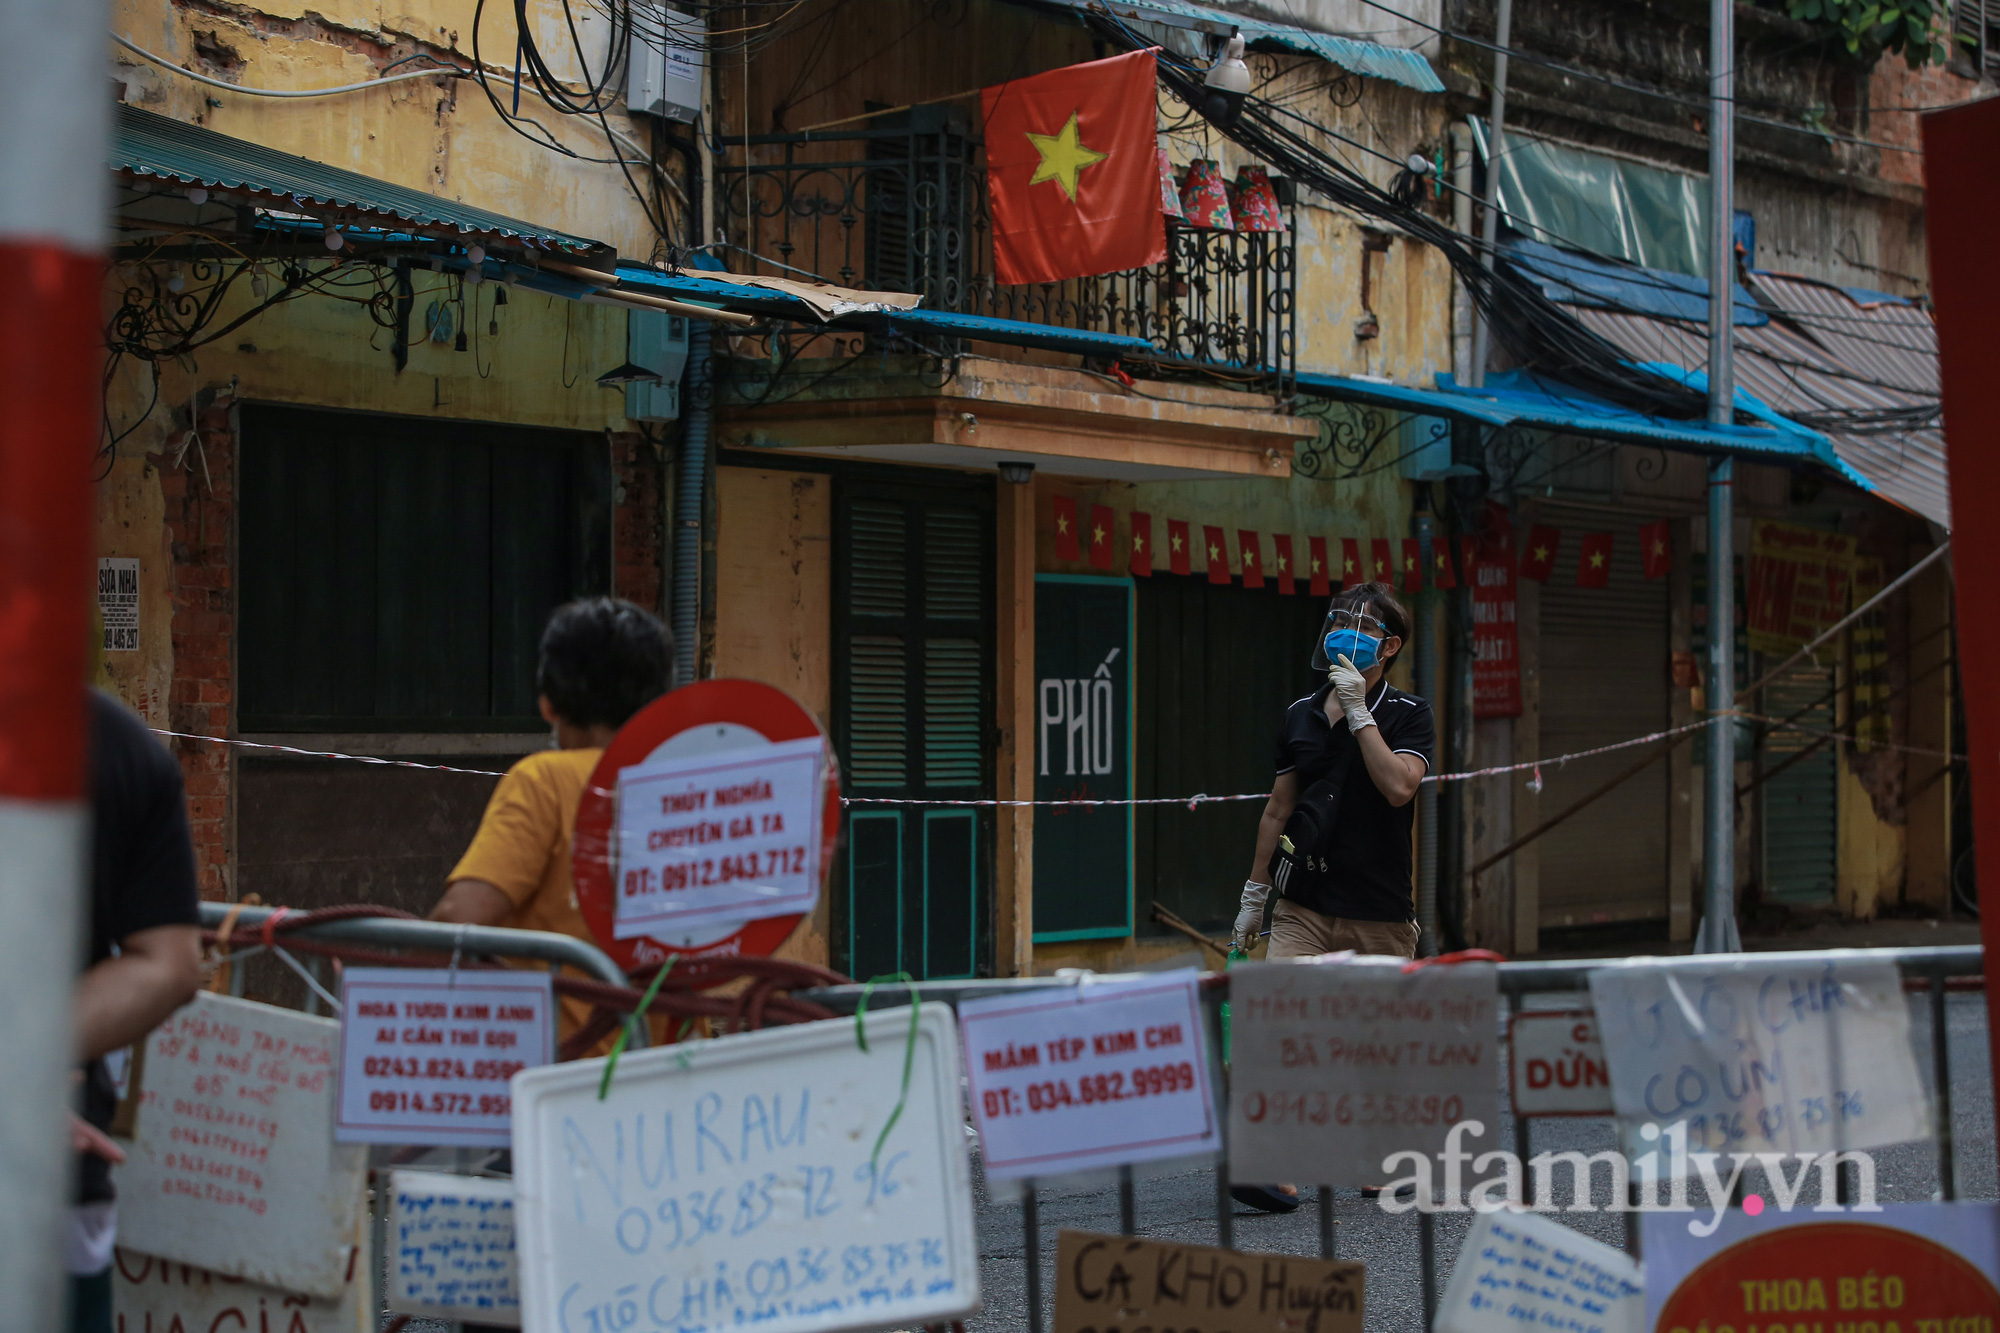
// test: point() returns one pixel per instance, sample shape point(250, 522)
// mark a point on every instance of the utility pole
point(1718, 918)
point(1496, 139)
point(54, 98)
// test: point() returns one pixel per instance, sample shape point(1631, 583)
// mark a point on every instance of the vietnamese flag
point(1065, 524)
point(1593, 562)
point(1442, 574)
point(1286, 585)
point(1218, 554)
point(1468, 560)
point(1102, 525)
point(1246, 550)
point(1538, 557)
point(1178, 556)
point(1320, 586)
point(1350, 562)
point(1380, 559)
point(1142, 544)
point(1073, 171)
point(1413, 565)
point(1656, 551)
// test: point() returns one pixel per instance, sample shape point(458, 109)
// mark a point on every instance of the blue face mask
point(1352, 644)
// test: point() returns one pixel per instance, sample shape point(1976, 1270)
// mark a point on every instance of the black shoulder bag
point(1308, 849)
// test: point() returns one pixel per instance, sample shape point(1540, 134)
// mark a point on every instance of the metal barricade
point(1928, 969)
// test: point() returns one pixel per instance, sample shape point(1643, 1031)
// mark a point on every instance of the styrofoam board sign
point(737, 1181)
point(451, 1248)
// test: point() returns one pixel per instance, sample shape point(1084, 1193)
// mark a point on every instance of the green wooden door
point(913, 635)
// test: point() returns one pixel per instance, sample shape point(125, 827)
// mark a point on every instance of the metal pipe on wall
point(1428, 684)
point(1718, 933)
point(691, 477)
point(1496, 136)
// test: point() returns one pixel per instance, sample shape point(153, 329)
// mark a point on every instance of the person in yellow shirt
point(601, 661)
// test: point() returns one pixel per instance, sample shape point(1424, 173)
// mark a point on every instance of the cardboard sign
point(1556, 1065)
point(727, 837)
point(451, 1248)
point(1905, 1268)
point(426, 1053)
point(234, 1168)
point(1108, 1283)
point(739, 1181)
point(1090, 1075)
point(1341, 1061)
point(1525, 1273)
point(1806, 1052)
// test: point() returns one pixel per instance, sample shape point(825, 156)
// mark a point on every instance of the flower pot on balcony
point(1204, 201)
point(1255, 203)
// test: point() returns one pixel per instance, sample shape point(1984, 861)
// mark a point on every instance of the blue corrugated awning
point(1393, 63)
point(1570, 276)
point(1520, 398)
point(149, 146)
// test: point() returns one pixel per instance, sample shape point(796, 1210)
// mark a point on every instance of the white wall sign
point(736, 1182)
point(1340, 1061)
point(1807, 1052)
point(1525, 1273)
point(233, 1167)
point(1093, 1075)
point(1556, 1063)
point(451, 1248)
point(151, 1295)
point(724, 837)
point(118, 602)
point(426, 1053)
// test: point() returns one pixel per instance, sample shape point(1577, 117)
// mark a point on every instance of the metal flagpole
point(1489, 227)
point(52, 219)
point(1718, 918)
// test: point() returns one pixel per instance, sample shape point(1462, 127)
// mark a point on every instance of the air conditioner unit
point(659, 342)
point(669, 53)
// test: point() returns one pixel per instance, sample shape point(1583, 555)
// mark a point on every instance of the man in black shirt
point(145, 962)
point(1354, 752)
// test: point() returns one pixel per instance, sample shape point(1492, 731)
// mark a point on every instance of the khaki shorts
point(1300, 932)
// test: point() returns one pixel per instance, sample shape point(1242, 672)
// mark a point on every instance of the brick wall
point(637, 469)
point(201, 511)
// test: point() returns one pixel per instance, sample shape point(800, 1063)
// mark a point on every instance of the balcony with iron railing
point(901, 205)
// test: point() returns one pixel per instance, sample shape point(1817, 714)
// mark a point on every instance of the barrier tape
point(1191, 802)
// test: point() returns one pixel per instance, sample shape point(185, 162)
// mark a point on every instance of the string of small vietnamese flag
point(1381, 562)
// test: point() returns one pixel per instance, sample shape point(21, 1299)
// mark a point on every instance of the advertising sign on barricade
point(1342, 1061)
point(425, 1054)
point(151, 1295)
point(234, 1167)
point(1556, 1064)
point(1901, 1268)
point(722, 837)
point(1099, 1074)
point(451, 1248)
point(787, 1178)
point(1526, 1273)
point(1126, 1282)
point(1802, 1053)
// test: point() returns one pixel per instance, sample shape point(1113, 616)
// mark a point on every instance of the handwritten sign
point(1524, 1273)
point(234, 1167)
point(1091, 1075)
point(1903, 1267)
point(1108, 1283)
point(722, 837)
point(451, 1248)
point(749, 1180)
point(1556, 1064)
point(425, 1054)
point(151, 1295)
point(1341, 1061)
point(1805, 1053)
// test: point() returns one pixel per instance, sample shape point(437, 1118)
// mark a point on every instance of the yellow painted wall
point(131, 524)
point(1870, 870)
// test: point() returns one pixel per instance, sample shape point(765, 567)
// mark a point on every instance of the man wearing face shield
point(1335, 836)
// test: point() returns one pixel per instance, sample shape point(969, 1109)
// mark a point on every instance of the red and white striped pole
point(55, 109)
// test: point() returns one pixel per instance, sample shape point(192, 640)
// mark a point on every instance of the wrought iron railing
point(903, 206)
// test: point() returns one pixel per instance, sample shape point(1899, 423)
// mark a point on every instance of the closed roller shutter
point(1604, 678)
point(1801, 812)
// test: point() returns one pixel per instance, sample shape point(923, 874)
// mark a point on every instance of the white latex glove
point(1250, 915)
point(1352, 690)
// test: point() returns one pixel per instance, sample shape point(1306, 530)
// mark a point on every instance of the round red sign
point(709, 718)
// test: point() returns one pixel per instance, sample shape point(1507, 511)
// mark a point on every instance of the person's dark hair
point(1377, 600)
point(602, 660)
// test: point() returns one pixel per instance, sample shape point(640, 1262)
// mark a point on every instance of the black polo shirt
point(1374, 865)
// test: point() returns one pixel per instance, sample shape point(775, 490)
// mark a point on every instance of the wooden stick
point(1176, 923)
point(890, 110)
